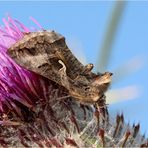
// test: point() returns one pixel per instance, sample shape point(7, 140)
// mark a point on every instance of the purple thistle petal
point(22, 26)
point(14, 27)
point(11, 37)
point(19, 84)
point(7, 27)
point(36, 22)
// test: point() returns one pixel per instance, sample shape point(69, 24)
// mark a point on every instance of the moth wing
point(32, 53)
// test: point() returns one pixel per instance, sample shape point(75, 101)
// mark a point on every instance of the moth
point(46, 53)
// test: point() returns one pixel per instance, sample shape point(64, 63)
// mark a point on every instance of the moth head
point(91, 90)
point(102, 79)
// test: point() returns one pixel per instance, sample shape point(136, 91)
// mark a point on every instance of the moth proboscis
point(46, 53)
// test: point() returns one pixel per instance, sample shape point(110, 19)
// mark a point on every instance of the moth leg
point(63, 75)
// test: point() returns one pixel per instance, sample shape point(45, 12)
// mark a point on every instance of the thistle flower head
point(37, 112)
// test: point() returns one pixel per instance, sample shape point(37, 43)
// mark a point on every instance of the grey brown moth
point(47, 54)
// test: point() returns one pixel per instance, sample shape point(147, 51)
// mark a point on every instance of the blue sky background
point(84, 24)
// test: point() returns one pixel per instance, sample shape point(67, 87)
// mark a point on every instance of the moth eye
point(87, 88)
